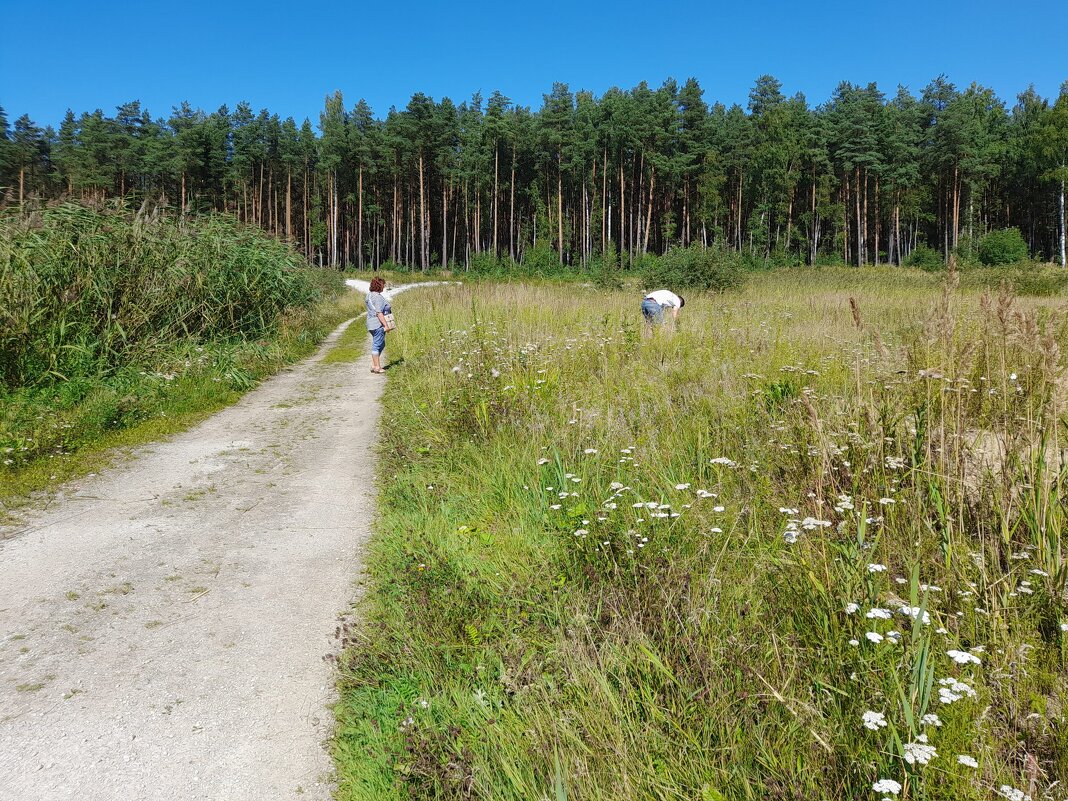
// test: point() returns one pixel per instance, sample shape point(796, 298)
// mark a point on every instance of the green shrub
point(84, 292)
point(542, 260)
point(1004, 246)
point(926, 258)
point(605, 268)
point(487, 264)
point(697, 267)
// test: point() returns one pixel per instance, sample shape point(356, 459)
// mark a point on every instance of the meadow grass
point(119, 328)
point(784, 551)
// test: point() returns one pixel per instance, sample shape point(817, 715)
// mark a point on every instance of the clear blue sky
point(288, 56)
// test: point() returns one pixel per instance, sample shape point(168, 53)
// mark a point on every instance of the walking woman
point(377, 324)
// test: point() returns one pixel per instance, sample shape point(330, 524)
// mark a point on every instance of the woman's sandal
point(379, 372)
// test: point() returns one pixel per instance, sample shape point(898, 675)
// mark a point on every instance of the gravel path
point(163, 626)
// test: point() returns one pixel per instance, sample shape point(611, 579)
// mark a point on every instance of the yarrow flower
point(876, 568)
point(852, 609)
point(931, 719)
point(881, 614)
point(919, 752)
point(874, 636)
point(682, 486)
point(963, 657)
point(874, 720)
point(887, 786)
point(952, 690)
point(723, 460)
point(964, 759)
point(1011, 793)
point(916, 614)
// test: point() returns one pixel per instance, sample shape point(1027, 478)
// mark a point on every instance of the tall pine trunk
point(289, 204)
point(359, 219)
point(496, 172)
point(511, 210)
point(560, 205)
point(1063, 262)
point(423, 246)
point(649, 210)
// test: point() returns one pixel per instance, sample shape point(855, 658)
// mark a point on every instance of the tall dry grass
point(687, 566)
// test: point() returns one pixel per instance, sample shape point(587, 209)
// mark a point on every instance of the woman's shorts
point(378, 341)
point(653, 311)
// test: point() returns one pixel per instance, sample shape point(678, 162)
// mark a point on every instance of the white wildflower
point(682, 486)
point(887, 786)
point(876, 568)
point(963, 657)
point(874, 720)
point(881, 614)
point(964, 759)
point(852, 609)
point(1011, 793)
point(931, 719)
point(952, 690)
point(919, 752)
point(874, 636)
point(916, 613)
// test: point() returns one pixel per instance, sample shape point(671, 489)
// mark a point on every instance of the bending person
point(655, 303)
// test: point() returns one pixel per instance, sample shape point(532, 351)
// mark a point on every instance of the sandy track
point(163, 625)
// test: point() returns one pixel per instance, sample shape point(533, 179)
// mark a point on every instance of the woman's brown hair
point(378, 284)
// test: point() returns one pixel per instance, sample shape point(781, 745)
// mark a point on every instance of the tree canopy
point(864, 177)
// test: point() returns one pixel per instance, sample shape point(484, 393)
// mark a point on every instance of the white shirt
point(665, 298)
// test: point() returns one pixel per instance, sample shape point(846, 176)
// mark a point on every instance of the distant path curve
point(163, 625)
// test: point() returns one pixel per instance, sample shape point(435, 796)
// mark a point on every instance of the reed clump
point(112, 319)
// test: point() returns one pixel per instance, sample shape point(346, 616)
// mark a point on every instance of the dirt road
point(163, 626)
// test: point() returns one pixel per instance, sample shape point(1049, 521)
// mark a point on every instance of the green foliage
point(114, 322)
point(926, 258)
point(1026, 279)
point(540, 622)
point(542, 260)
point(85, 292)
point(701, 268)
point(781, 182)
point(606, 268)
point(1003, 246)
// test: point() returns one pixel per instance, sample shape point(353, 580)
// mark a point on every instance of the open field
point(809, 542)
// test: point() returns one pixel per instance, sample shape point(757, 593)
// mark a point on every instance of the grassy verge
point(90, 431)
point(120, 329)
point(809, 543)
